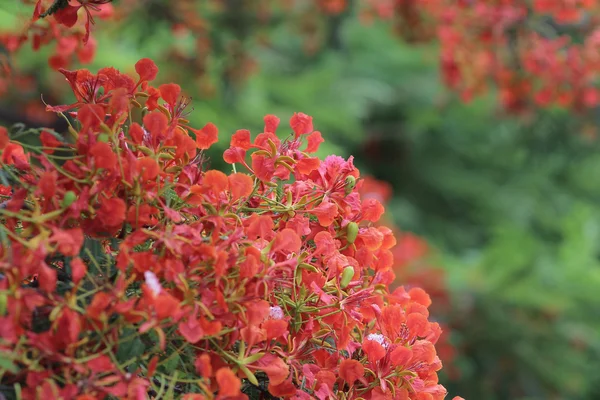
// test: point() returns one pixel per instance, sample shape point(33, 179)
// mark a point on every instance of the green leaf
point(249, 375)
point(93, 251)
point(8, 364)
point(171, 363)
point(130, 349)
point(252, 358)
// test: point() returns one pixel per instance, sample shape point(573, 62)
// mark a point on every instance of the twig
point(56, 6)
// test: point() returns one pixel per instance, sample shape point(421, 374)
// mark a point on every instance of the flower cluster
point(522, 48)
point(66, 24)
point(537, 53)
point(128, 269)
point(413, 269)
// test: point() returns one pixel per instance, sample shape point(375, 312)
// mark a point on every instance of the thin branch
point(55, 7)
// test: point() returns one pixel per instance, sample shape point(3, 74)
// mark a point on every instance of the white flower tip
point(152, 282)
point(379, 338)
point(276, 312)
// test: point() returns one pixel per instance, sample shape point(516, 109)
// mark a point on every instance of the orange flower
point(229, 383)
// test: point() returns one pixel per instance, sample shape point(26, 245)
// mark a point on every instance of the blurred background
point(496, 194)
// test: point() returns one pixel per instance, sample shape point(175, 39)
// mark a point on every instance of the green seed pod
point(69, 199)
point(298, 276)
point(166, 156)
point(3, 302)
point(350, 184)
point(54, 313)
point(347, 276)
point(147, 151)
point(73, 132)
point(351, 232)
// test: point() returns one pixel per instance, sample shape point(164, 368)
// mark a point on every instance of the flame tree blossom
point(128, 268)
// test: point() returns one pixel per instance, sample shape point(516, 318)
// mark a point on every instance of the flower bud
point(103, 137)
point(69, 199)
point(3, 302)
point(347, 276)
point(166, 156)
point(351, 232)
point(54, 313)
point(147, 151)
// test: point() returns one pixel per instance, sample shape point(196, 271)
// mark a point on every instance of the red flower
point(204, 366)
point(229, 384)
point(146, 69)
point(241, 185)
point(351, 370)
point(78, 270)
point(112, 212)
point(314, 140)
point(276, 369)
point(301, 124)
point(103, 156)
point(68, 15)
point(147, 168)
point(156, 124)
point(284, 389)
point(271, 123)
point(206, 136)
point(13, 154)
point(69, 241)
point(50, 141)
point(47, 278)
point(191, 330)
point(326, 213)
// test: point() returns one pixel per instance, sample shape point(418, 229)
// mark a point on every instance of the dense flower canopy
point(128, 268)
point(536, 53)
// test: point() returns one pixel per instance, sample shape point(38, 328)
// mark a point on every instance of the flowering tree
point(128, 269)
point(537, 53)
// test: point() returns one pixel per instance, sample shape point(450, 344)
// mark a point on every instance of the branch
point(10, 117)
point(56, 6)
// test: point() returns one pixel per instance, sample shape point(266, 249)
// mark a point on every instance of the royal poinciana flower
point(66, 12)
point(127, 268)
